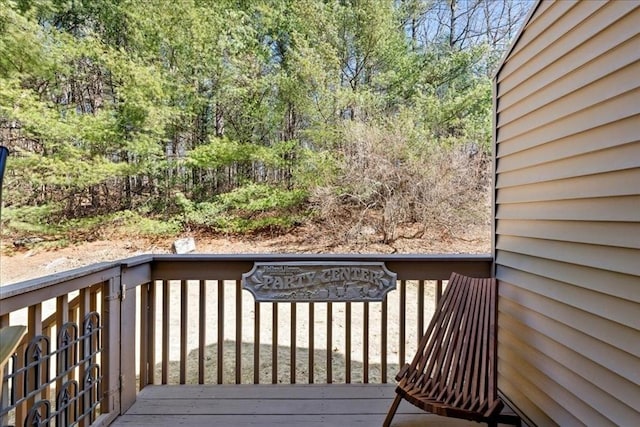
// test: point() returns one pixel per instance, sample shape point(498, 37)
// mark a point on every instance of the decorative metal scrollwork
point(67, 338)
point(91, 390)
point(36, 359)
point(77, 380)
point(90, 336)
point(67, 404)
point(39, 414)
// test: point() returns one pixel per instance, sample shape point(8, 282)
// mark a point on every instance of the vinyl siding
point(567, 214)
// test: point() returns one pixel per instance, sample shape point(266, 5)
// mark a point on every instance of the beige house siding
point(567, 214)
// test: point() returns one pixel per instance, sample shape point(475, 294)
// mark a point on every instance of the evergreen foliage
point(237, 115)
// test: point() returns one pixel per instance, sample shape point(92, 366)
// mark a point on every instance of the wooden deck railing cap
point(262, 257)
point(30, 285)
point(134, 261)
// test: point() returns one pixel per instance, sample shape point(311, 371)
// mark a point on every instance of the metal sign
point(319, 281)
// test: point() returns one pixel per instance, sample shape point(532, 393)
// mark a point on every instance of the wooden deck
point(274, 405)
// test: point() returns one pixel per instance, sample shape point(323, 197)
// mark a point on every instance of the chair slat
point(475, 380)
point(493, 343)
point(462, 383)
point(448, 348)
point(457, 352)
point(437, 345)
point(483, 377)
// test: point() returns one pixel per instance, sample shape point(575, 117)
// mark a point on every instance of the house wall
point(567, 214)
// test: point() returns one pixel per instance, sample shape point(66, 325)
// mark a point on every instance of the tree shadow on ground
point(265, 371)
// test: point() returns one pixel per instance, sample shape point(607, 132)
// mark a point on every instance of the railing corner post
point(126, 352)
point(111, 353)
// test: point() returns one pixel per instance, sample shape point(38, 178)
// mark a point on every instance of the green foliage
point(219, 106)
point(221, 152)
point(46, 222)
point(254, 207)
point(70, 169)
point(315, 168)
point(258, 198)
point(20, 41)
point(28, 220)
point(134, 224)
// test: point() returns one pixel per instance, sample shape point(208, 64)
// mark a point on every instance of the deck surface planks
point(274, 405)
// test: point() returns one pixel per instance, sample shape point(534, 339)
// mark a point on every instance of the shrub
point(386, 179)
point(134, 224)
point(253, 207)
point(31, 219)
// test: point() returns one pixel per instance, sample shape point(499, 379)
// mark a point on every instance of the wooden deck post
point(132, 278)
point(111, 291)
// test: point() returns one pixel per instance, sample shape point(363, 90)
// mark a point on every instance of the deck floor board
point(336, 405)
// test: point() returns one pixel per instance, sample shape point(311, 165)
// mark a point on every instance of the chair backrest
point(456, 359)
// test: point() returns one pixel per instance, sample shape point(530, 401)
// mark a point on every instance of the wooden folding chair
point(454, 372)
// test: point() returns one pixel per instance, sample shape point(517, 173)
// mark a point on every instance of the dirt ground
point(18, 264)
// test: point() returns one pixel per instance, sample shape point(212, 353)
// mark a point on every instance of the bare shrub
point(453, 192)
point(385, 180)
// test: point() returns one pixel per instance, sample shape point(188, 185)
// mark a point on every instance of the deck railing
point(97, 335)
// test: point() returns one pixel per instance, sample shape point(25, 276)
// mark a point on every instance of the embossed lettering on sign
point(317, 282)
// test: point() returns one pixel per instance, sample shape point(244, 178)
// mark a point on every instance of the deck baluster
point(184, 307)
point(202, 330)
point(256, 343)
point(166, 314)
point(220, 372)
point(293, 348)
point(347, 340)
point(274, 343)
point(238, 331)
point(311, 342)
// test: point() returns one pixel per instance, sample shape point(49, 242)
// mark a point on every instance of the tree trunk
point(219, 121)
